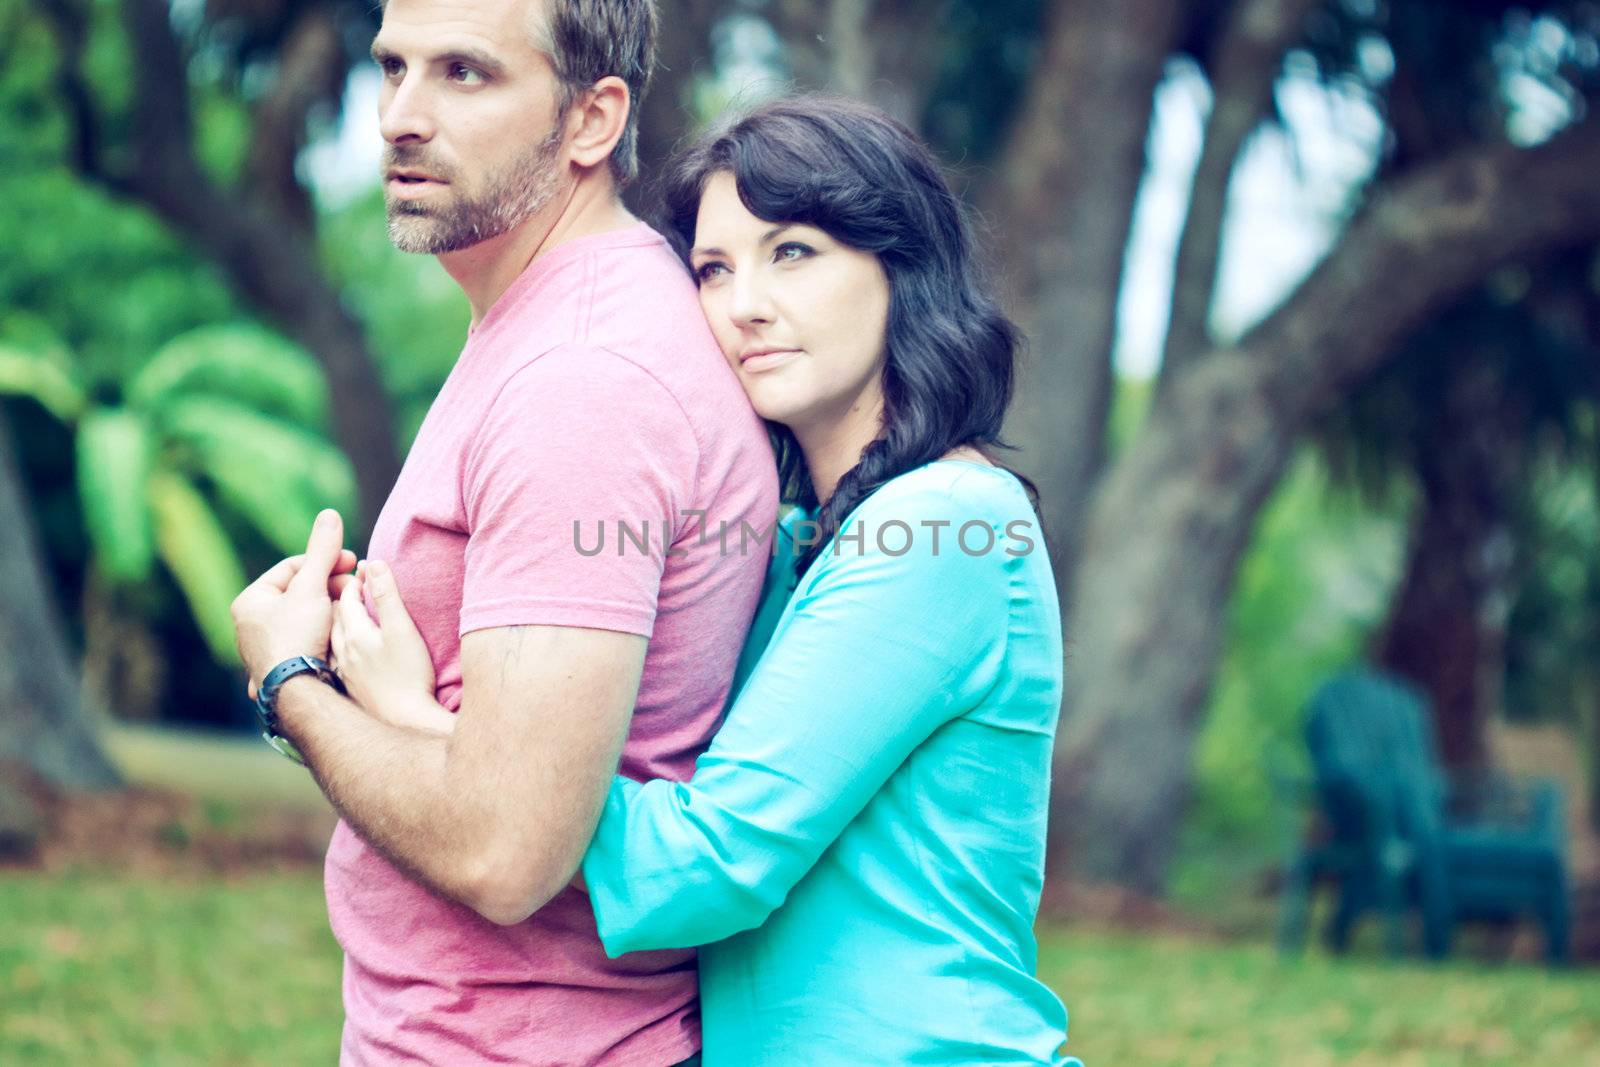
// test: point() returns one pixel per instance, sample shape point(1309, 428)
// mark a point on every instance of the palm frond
point(278, 476)
point(196, 549)
point(238, 361)
point(114, 462)
point(45, 379)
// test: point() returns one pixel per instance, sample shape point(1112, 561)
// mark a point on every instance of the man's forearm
point(390, 783)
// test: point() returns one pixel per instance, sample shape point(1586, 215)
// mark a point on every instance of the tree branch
point(1243, 70)
point(1421, 242)
point(311, 71)
point(69, 21)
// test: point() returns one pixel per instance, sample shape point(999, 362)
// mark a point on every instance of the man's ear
point(598, 118)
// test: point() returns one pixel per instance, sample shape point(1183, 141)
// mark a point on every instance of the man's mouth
point(412, 177)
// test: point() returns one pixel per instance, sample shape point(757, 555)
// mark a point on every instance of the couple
point(547, 631)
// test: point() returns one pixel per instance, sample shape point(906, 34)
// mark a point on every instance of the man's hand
point(287, 611)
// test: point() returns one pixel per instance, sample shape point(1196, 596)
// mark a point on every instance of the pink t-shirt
point(591, 395)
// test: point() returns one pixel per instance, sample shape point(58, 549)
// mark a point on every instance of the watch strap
point(267, 698)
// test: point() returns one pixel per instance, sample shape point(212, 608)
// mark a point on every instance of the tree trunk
point(1063, 200)
point(881, 51)
point(1168, 529)
point(43, 724)
point(1446, 630)
point(683, 52)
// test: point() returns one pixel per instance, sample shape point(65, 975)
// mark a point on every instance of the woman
point(860, 850)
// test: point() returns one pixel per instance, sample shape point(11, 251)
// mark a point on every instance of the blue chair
point(1397, 835)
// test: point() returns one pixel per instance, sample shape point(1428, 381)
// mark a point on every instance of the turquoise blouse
point(861, 849)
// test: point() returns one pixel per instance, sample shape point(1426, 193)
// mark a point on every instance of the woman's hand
point(385, 665)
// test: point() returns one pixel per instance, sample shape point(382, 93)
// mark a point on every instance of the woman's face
point(800, 317)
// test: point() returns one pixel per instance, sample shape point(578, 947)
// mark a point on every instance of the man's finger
point(336, 584)
point(386, 597)
point(323, 551)
point(280, 574)
point(336, 653)
point(347, 562)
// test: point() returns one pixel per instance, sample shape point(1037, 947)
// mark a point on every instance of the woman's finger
point(352, 613)
point(386, 595)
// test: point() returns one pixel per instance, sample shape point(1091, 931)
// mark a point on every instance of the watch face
point(283, 747)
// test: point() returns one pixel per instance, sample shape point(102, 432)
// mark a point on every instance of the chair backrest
point(1372, 748)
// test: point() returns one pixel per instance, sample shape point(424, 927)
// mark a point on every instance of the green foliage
point(115, 462)
point(274, 473)
point(229, 408)
point(415, 316)
point(1553, 635)
point(236, 359)
point(200, 555)
point(1313, 586)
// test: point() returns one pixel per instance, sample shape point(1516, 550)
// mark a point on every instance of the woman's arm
point(880, 651)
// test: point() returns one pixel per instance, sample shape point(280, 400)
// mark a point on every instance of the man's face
point(469, 111)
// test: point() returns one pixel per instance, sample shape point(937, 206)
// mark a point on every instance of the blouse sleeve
point(883, 647)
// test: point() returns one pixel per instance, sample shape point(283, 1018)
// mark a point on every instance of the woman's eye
point(460, 72)
point(790, 251)
point(706, 271)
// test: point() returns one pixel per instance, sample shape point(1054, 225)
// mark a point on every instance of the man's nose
point(405, 114)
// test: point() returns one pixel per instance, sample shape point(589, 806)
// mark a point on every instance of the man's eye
point(460, 72)
point(391, 67)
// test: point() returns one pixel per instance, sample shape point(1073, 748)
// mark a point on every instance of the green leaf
point(236, 361)
point(36, 375)
point(114, 462)
point(276, 475)
point(196, 549)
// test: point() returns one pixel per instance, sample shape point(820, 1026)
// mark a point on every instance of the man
point(590, 395)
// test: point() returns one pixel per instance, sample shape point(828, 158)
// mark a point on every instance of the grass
point(115, 970)
point(1153, 1001)
point(125, 969)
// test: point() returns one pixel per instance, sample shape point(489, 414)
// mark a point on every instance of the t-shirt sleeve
point(574, 490)
point(880, 651)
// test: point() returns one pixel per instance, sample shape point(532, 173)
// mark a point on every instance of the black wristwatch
point(267, 698)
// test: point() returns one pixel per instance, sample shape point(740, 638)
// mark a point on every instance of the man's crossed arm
point(496, 814)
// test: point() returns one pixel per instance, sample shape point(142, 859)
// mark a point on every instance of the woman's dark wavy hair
point(864, 179)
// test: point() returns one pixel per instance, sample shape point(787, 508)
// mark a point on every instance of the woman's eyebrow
point(775, 231)
point(711, 251)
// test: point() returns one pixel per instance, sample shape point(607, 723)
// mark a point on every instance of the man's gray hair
point(592, 39)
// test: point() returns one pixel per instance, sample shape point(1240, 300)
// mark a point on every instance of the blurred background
point(1312, 289)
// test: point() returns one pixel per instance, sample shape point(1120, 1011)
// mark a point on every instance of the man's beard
point(510, 199)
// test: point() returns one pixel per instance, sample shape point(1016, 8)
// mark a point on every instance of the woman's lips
point(767, 359)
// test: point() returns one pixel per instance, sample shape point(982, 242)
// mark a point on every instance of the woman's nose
point(749, 302)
